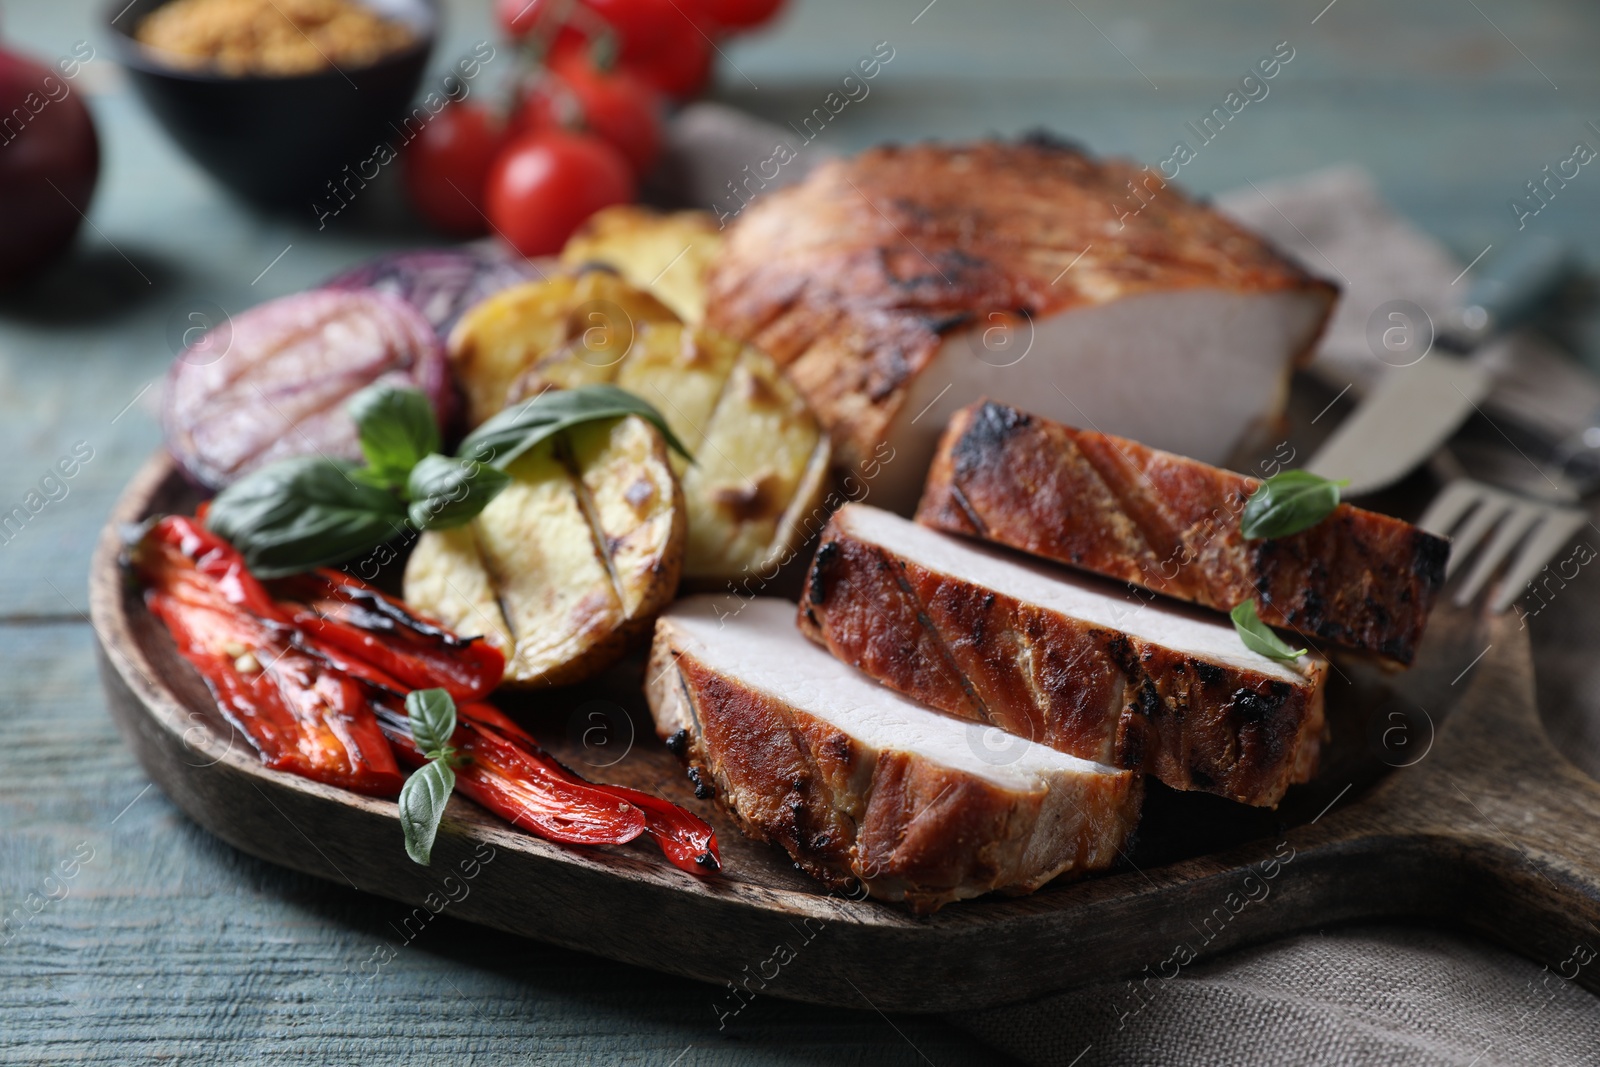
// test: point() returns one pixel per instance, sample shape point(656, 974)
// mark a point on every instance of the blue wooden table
point(165, 945)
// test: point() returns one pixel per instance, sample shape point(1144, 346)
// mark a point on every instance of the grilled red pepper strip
point(686, 840)
point(524, 786)
point(495, 719)
point(301, 714)
point(347, 618)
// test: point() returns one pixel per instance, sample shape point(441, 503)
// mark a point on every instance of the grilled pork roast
point(899, 285)
point(1075, 663)
point(1357, 580)
point(860, 785)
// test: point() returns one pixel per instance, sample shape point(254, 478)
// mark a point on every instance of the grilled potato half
point(590, 316)
point(667, 255)
point(761, 459)
point(570, 563)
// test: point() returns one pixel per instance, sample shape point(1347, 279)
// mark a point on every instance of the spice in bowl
point(271, 38)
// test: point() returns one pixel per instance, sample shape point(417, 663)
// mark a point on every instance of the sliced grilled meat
point(1062, 660)
point(860, 785)
point(1357, 580)
point(910, 280)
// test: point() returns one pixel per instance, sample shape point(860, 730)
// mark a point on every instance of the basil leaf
point(1287, 503)
point(422, 801)
point(512, 432)
point(302, 513)
point(1258, 636)
point(432, 715)
point(397, 429)
point(447, 492)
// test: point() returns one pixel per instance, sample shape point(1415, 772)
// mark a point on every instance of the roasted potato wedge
point(761, 459)
point(762, 465)
point(570, 562)
point(668, 255)
point(585, 322)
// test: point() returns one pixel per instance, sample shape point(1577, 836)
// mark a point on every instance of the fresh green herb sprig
point(1287, 503)
point(312, 511)
point(1258, 636)
point(432, 714)
point(507, 435)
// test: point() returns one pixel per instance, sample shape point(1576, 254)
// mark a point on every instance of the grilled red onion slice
point(272, 382)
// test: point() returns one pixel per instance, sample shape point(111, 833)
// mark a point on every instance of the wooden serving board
point(1440, 798)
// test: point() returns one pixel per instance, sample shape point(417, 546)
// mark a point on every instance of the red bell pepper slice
point(506, 761)
point(301, 714)
point(348, 619)
point(685, 839)
point(524, 786)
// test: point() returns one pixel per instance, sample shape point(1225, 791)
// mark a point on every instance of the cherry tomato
point(552, 22)
point(737, 14)
point(545, 184)
point(683, 65)
point(644, 27)
point(447, 164)
point(614, 105)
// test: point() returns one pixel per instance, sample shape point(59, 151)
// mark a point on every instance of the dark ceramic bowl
point(278, 141)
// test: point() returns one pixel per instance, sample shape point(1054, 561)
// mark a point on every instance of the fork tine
point(1453, 501)
point(1492, 506)
point(1511, 530)
point(1546, 540)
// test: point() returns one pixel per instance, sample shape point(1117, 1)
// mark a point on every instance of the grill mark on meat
point(821, 564)
point(932, 631)
point(1070, 684)
point(983, 442)
point(1139, 509)
point(979, 527)
point(866, 252)
point(1357, 580)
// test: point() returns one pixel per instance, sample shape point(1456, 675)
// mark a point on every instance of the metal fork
point(1533, 530)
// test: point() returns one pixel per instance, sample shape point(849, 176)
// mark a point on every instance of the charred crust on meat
point(942, 324)
point(678, 743)
point(1429, 559)
point(703, 789)
point(1210, 673)
point(891, 369)
point(1150, 702)
point(1120, 651)
point(1047, 140)
point(823, 562)
point(1258, 707)
point(986, 435)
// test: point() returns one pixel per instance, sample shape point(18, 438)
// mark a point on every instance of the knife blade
point(1416, 407)
point(1401, 423)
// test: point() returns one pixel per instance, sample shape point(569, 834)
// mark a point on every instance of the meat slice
point(860, 785)
point(899, 285)
point(1357, 580)
point(1071, 662)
